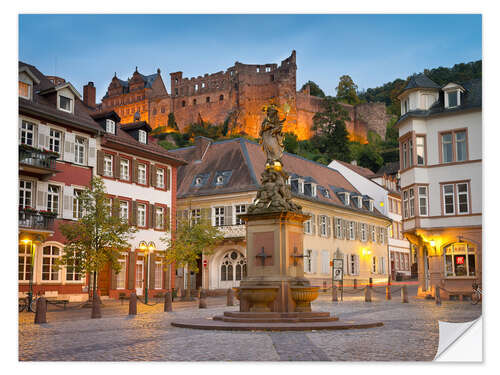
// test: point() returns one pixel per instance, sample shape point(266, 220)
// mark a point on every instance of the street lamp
point(147, 248)
point(30, 292)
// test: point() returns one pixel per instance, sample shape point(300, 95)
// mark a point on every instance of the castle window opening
point(176, 91)
point(203, 85)
point(268, 69)
point(194, 101)
point(272, 77)
point(221, 98)
point(162, 109)
point(208, 99)
point(183, 103)
point(176, 81)
point(196, 87)
point(258, 70)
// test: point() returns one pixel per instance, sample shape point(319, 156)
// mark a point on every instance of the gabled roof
point(60, 87)
point(421, 81)
point(136, 125)
point(247, 161)
point(25, 69)
point(365, 172)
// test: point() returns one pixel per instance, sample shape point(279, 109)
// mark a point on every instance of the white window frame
point(308, 226)
point(352, 234)
point(411, 201)
point(108, 165)
point(141, 215)
point(373, 234)
point(323, 227)
point(71, 103)
point(457, 93)
point(26, 263)
point(423, 196)
point(124, 165)
point(141, 173)
point(77, 204)
point(338, 227)
point(25, 125)
point(110, 126)
point(24, 191)
point(420, 148)
point(159, 217)
point(464, 142)
point(160, 178)
point(196, 215)
point(238, 210)
point(461, 194)
point(450, 143)
point(124, 210)
point(76, 277)
point(121, 276)
point(452, 195)
point(364, 237)
point(53, 198)
point(79, 150)
point(158, 275)
point(55, 138)
point(51, 264)
point(219, 216)
point(30, 90)
point(143, 138)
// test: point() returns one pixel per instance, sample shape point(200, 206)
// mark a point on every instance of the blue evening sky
point(372, 49)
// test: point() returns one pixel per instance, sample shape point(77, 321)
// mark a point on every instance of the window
point(221, 98)
point(308, 226)
point(27, 133)
point(463, 198)
point(160, 178)
point(373, 236)
point(79, 150)
point(110, 126)
point(108, 165)
point(183, 103)
point(381, 235)
point(447, 147)
point(196, 215)
point(352, 264)
point(323, 227)
point(54, 140)
point(452, 99)
point(77, 204)
point(308, 261)
point(219, 180)
point(207, 99)
point(120, 277)
point(420, 150)
point(338, 228)
point(159, 218)
point(460, 260)
point(141, 175)
point(405, 203)
point(448, 199)
point(219, 216)
point(65, 103)
point(240, 209)
point(124, 169)
point(351, 230)
point(124, 210)
point(422, 200)
point(194, 101)
point(363, 232)
point(25, 193)
point(141, 215)
point(374, 264)
point(24, 261)
point(410, 153)
point(71, 270)
point(158, 275)
point(461, 146)
point(49, 257)
point(268, 69)
point(53, 199)
point(24, 90)
point(405, 156)
point(142, 136)
point(412, 202)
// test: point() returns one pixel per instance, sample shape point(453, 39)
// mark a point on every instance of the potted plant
point(48, 213)
point(28, 210)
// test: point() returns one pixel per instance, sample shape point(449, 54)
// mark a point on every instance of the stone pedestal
point(275, 262)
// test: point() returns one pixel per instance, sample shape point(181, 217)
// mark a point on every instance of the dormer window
point(65, 103)
point(198, 181)
point(143, 136)
point(219, 180)
point(370, 204)
point(359, 202)
point(25, 90)
point(452, 98)
point(110, 126)
point(344, 196)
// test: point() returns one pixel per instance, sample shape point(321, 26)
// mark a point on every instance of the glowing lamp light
point(432, 243)
point(26, 241)
point(381, 204)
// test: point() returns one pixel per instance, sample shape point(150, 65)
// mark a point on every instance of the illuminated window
point(50, 256)
point(460, 260)
point(24, 263)
point(24, 90)
point(143, 136)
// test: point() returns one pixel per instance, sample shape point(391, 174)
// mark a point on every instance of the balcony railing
point(35, 220)
point(37, 158)
point(233, 231)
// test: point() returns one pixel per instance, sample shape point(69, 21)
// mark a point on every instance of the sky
point(372, 49)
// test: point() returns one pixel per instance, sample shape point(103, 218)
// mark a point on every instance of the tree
point(98, 237)
point(347, 91)
point(171, 121)
point(370, 158)
point(332, 138)
point(192, 239)
point(291, 143)
point(314, 89)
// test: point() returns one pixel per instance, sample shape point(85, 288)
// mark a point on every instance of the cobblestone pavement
point(410, 333)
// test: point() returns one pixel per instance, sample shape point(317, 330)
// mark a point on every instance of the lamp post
point(30, 292)
point(147, 248)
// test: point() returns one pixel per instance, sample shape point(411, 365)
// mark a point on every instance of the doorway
point(426, 269)
point(139, 277)
point(232, 269)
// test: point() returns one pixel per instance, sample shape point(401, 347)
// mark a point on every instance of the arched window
point(221, 98)
point(460, 259)
point(234, 266)
point(183, 103)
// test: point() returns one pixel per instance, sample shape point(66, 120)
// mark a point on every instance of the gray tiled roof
point(421, 81)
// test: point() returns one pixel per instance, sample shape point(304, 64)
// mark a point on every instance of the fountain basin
point(303, 296)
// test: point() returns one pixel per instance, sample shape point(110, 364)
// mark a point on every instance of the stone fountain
point(275, 295)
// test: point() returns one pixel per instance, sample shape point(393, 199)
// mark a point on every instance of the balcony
point(40, 162)
point(233, 231)
point(35, 221)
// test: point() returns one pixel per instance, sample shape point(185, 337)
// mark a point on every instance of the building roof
point(42, 105)
point(246, 162)
point(136, 125)
point(365, 172)
point(388, 169)
point(421, 81)
point(470, 99)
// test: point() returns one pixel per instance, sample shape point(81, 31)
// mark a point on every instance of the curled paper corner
point(460, 342)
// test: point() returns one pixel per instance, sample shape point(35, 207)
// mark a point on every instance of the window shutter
point(134, 171)
point(134, 212)
point(41, 195)
point(313, 223)
point(100, 162)
point(68, 202)
point(92, 152)
point(43, 136)
point(151, 209)
point(148, 175)
point(167, 177)
point(228, 215)
point(166, 217)
point(116, 166)
point(69, 147)
point(343, 229)
point(205, 214)
point(314, 266)
point(328, 226)
point(357, 264)
point(335, 234)
point(151, 271)
point(346, 264)
point(385, 235)
point(318, 219)
point(152, 175)
point(131, 270)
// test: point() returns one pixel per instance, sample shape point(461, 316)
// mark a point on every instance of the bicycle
point(477, 293)
point(24, 302)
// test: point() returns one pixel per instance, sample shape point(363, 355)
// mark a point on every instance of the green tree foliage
point(347, 91)
point(291, 143)
point(332, 137)
point(171, 121)
point(98, 237)
point(370, 158)
point(191, 240)
point(314, 89)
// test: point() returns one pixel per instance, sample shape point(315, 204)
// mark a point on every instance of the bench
point(63, 302)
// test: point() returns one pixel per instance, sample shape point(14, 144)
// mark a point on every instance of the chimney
point(89, 95)
point(354, 162)
point(202, 144)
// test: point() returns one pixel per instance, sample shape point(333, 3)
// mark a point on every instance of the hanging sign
point(338, 269)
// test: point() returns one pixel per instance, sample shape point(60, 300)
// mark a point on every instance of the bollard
point(230, 297)
point(41, 311)
point(341, 286)
point(389, 280)
point(335, 297)
point(370, 281)
point(438, 296)
point(132, 306)
point(355, 282)
point(368, 294)
point(203, 300)
point(96, 307)
point(198, 292)
point(167, 306)
point(404, 294)
point(388, 292)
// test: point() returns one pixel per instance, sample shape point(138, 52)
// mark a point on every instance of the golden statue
point(271, 137)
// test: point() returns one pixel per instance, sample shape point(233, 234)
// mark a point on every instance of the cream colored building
point(222, 179)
